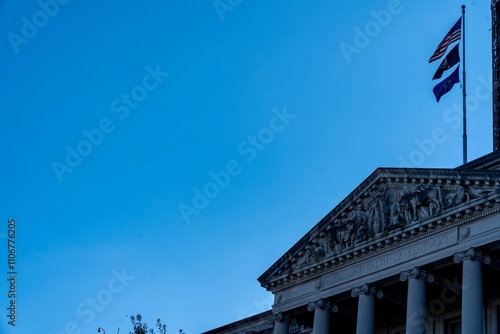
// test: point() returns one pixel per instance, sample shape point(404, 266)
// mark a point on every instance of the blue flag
point(446, 85)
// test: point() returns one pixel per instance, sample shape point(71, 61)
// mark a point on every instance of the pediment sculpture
point(385, 207)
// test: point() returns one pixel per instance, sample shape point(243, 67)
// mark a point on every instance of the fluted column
point(415, 308)
point(281, 322)
point(322, 310)
point(472, 289)
point(366, 308)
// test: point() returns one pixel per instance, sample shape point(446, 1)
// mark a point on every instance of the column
point(281, 322)
point(366, 308)
point(415, 309)
point(472, 289)
point(322, 310)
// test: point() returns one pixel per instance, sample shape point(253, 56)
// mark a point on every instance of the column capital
point(280, 317)
point(471, 254)
point(322, 304)
point(367, 290)
point(416, 273)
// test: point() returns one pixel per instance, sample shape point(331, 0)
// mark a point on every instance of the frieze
point(391, 259)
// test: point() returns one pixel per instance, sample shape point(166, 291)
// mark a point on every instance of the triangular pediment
point(393, 205)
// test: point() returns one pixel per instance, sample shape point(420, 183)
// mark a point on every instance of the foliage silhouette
point(141, 327)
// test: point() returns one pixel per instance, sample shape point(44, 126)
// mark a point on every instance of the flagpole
point(464, 90)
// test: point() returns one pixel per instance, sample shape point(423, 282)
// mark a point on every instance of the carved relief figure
point(463, 195)
point(420, 201)
point(378, 210)
point(382, 211)
point(332, 241)
point(345, 235)
point(476, 192)
point(362, 228)
point(458, 197)
point(397, 216)
point(362, 233)
point(341, 235)
point(358, 216)
point(313, 253)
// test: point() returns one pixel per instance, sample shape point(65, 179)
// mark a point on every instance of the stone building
point(410, 250)
point(495, 31)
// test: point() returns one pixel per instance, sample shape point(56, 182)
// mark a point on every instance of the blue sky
point(116, 116)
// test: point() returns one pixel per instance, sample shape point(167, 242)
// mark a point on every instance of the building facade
point(408, 251)
point(495, 32)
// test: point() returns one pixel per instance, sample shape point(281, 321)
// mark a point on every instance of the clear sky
point(159, 156)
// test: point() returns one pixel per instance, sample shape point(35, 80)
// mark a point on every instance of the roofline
point(238, 323)
point(488, 161)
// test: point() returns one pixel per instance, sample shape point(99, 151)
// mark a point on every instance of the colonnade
point(472, 301)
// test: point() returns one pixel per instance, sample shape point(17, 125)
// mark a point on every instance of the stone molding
point(471, 254)
point(366, 289)
point(416, 273)
point(322, 304)
point(280, 317)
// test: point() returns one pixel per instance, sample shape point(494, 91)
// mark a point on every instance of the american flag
point(452, 36)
